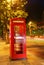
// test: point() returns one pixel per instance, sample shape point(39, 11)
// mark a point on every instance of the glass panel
point(18, 40)
point(17, 30)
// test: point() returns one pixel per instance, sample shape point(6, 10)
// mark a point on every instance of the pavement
point(31, 60)
point(32, 57)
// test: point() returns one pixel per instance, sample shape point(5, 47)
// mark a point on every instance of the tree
point(10, 10)
point(32, 26)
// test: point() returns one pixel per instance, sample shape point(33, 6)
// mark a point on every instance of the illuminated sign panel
point(18, 21)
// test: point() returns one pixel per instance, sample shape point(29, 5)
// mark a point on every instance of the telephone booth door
point(18, 38)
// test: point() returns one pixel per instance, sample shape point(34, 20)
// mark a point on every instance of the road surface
point(35, 55)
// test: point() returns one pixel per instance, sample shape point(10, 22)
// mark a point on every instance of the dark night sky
point(35, 9)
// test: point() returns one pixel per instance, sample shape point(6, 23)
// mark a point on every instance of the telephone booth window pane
point(18, 45)
point(17, 30)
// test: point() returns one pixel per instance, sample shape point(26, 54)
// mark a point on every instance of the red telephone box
point(17, 38)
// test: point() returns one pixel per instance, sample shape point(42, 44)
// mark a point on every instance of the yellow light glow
point(8, 1)
point(30, 23)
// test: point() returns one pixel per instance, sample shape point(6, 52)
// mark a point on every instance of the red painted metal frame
point(13, 55)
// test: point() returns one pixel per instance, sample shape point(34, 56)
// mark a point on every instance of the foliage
point(32, 27)
point(10, 10)
point(1, 29)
